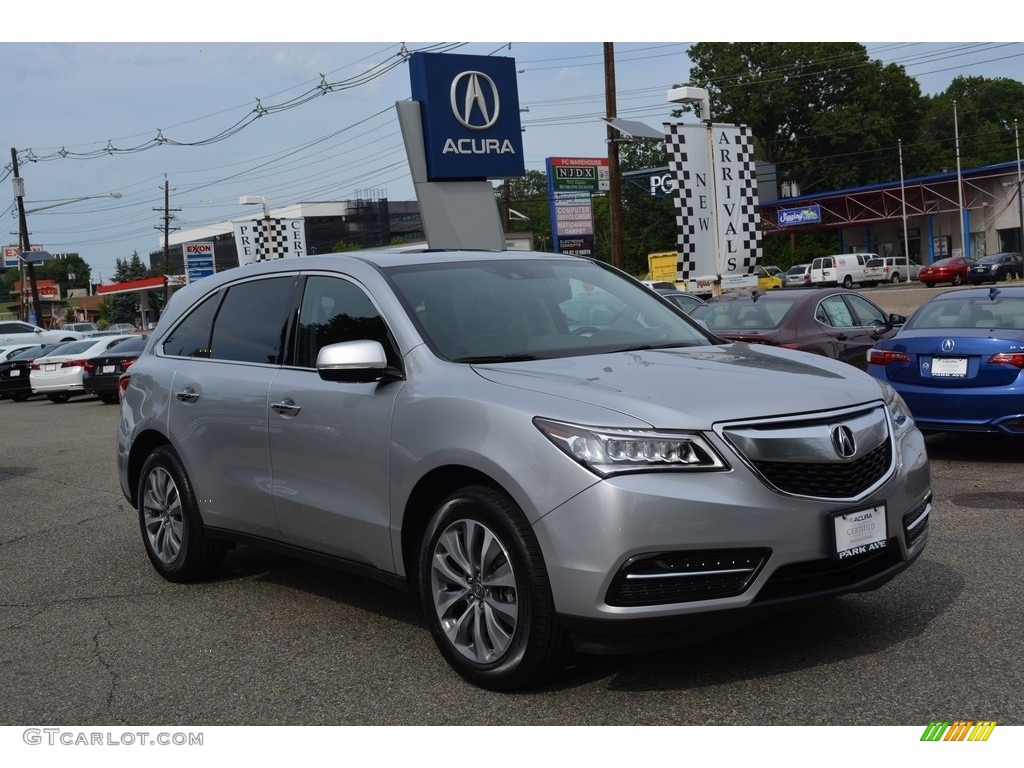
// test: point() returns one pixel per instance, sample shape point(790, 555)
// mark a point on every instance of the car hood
point(695, 386)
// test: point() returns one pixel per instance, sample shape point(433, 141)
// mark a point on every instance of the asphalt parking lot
point(93, 636)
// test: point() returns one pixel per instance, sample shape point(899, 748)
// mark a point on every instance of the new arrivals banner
point(715, 196)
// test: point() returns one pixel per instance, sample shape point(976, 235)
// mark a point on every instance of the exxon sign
point(470, 111)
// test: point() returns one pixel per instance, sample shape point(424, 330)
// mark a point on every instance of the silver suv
point(550, 454)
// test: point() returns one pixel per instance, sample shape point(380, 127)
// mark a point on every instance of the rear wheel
point(486, 594)
point(109, 399)
point(895, 277)
point(19, 397)
point(958, 280)
point(929, 285)
point(58, 397)
point(847, 282)
point(172, 529)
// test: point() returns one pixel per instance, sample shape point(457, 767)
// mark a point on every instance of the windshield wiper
point(494, 359)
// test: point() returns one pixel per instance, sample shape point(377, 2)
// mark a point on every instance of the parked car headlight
point(607, 451)
point(902, 419)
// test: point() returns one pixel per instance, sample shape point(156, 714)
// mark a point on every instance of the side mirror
point(360, 361)
point(895, 319)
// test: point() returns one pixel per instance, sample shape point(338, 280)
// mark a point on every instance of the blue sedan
point(959, 361)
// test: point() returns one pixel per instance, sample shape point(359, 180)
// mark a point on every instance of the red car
point(834, 322)
point(952, 270)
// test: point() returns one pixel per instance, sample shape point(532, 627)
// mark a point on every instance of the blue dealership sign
point(470, 113)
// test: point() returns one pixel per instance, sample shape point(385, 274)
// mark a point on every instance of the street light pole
point(23, 243)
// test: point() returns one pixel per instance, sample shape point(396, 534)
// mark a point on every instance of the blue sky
point(82, 95)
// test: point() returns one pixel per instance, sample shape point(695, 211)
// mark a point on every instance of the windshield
point(737, 314)
point(978, 312)
point(492, 311)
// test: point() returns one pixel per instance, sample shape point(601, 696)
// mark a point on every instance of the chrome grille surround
point(801, 455)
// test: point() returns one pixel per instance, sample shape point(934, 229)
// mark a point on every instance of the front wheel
point(486, 594)
point(957, 280)
point(58, 397)
point(848, 282)
point(172, 529)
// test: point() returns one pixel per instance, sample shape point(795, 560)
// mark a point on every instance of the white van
point(890, 269)
point(843, 269)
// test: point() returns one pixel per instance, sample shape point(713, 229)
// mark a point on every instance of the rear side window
point(251, 324)
point(191, 338)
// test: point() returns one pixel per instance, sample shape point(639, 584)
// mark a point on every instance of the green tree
point(69, 272)
point(825, 114)
point(123, 307)
point(528, 197)
point(648, 222)
point(985, 112)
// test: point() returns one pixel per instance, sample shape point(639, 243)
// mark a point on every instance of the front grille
point(832, 480)
point(677, 577)
point(819, 576)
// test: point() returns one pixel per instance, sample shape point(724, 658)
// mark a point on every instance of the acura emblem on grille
point(843, 442)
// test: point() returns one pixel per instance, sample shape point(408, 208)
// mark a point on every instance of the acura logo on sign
point(947, 345)
point(469, 101)
point(843, 442)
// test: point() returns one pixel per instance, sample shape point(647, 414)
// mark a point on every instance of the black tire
point(895, 277)
point(931, 285)
point(58, 397)
point(19, 397)
point(496, 624)
point(957, 280)
point(1009, 276)
point(108, 398)
point(172, 529)
point(847, 282)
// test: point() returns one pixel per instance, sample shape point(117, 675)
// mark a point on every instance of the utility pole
point(19, 193)
point(614, 177)
point(167, 234)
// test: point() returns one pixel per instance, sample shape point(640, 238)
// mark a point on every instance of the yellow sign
point(663, 266)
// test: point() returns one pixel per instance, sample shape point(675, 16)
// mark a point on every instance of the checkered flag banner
point(739, 226)
point(688, 163)
point(715, 198)
point(268, 239)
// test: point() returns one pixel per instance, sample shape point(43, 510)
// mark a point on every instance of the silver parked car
point(550, 454)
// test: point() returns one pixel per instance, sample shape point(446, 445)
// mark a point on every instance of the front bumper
point(763, 550)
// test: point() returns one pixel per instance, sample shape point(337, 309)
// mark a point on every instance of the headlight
point(902, 419)
point(607, 451)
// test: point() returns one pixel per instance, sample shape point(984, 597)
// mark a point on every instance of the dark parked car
point(15, 382)
point(995, 268)
point(952, 270)
point(834, 322)
point(100, 373)
point(959, 361)
point(685, 301)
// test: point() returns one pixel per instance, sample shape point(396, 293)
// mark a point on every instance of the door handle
point(187, 395)
point(286, 407)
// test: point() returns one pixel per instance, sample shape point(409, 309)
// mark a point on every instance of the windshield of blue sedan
point(498, 311)
point(977, 312)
